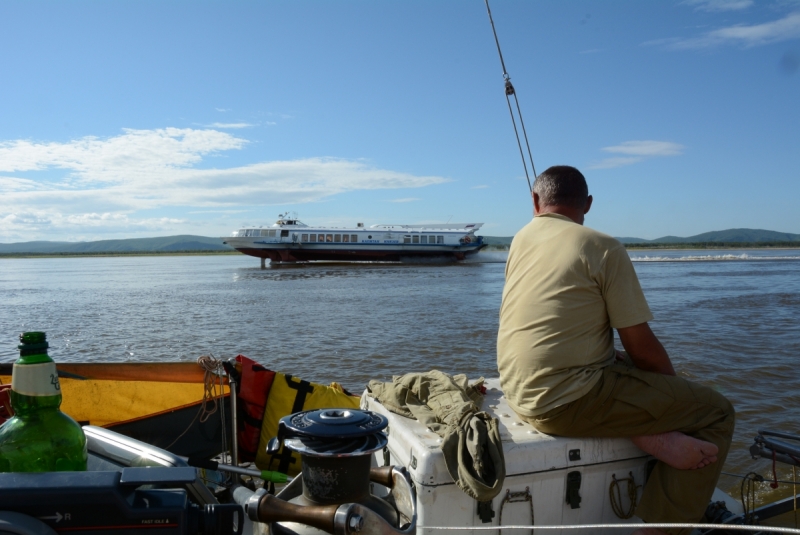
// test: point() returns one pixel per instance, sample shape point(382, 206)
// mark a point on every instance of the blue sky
point(151, 118)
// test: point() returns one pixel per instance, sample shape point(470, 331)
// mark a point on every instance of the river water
point(730, 319)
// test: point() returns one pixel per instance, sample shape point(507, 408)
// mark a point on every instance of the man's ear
point(588, 206)
point(535, 203)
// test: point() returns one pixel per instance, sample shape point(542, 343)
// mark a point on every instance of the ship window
point(439, 239)
point(313, 237)
point(264, 233)
point(423, 239)
point(272, 233)
point(415, 239)
point(304, 238)
point(329, 238)
point(346, 238)
point(284, 234)
point(337, 238)
point(406, 239)
point(354, 238)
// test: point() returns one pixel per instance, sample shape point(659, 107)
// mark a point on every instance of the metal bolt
point(355, 523)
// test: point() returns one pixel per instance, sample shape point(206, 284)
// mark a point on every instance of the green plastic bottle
point(39, 437)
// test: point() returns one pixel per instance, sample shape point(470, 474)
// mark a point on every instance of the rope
point(211, 379)
point(729, 527)
point(616, 499)
point(748, 494)
point(794, 494)
point(510, 91)
point(759, 479)
point(774, 483)
point(515, 497)
point(214, 372)
point(748, 490)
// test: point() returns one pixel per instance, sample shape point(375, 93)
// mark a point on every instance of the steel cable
point(510, 91)
point(731, 527)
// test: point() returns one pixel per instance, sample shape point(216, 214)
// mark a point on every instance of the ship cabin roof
point(289, 223)
point(282, 223)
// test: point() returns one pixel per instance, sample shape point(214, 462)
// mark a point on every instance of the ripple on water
point(732, 325)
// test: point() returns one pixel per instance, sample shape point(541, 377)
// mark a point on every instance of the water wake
point(488, 257)
point(711, 258)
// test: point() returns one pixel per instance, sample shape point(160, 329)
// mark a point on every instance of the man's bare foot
point(678, 450)
point(648, 531)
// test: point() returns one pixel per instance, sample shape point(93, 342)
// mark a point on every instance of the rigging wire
point(627, 526)
point(510, 91)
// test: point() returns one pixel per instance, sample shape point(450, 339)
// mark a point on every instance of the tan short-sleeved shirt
point(566, 287)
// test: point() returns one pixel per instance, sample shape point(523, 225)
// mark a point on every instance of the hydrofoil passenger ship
point(290, 240)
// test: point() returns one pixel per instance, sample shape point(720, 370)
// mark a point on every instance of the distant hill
point(166, 244)
point(736, 235)
point(731, 236)
point(632, 240)
point(498, 240)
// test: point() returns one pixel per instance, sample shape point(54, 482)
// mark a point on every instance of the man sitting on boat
point(567, 287)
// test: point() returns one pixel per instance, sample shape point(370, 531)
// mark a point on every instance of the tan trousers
point(629, 402)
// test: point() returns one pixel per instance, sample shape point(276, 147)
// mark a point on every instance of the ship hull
point(297, 253)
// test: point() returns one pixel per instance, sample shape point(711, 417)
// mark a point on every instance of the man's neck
point(575, 214)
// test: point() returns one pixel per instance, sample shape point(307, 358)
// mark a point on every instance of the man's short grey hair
point(561, 185)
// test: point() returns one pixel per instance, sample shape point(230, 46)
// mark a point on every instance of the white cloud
point(223, 110)
point(134, 153)
point(745, 35)
point(406, 199)
point(230, 125)
point(482, 186)
point(637, 151)
point(610, 163)
point(47, 223)
point(106, 181)
point(646, 148)
point(9, 184)
point(719, 5)
point(219, 211)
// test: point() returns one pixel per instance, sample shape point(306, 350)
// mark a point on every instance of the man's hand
point(645, 350)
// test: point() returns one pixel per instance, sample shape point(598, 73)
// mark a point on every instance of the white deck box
point(537, 464)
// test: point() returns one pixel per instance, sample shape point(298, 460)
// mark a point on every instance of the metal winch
point(333, 494)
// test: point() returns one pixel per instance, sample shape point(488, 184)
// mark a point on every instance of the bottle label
point(35, 379)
